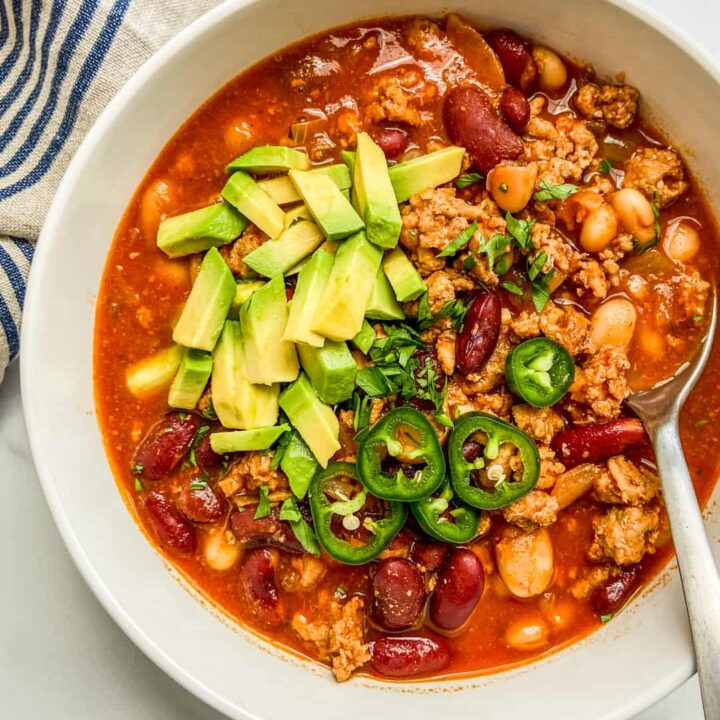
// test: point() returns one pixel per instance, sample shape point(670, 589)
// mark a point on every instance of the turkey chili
point(365, 335)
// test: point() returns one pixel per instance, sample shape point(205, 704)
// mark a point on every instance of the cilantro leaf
point(495, 248)
point(453, 309)
point(138, 485)
point(263, 507)
point(427, 382)
point(137, 469)
point(512, 287)
point(536, 266)
point(374, 382)
point(520, 231)
point(424, 314)
point(644, 247)
point(605, 166)
point(606, 618)
point(459, 242)
point(469, 262)
point(290, 511)
point(468, 179)
point(554, 192)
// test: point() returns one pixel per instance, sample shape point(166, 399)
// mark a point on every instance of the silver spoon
point(658, 409)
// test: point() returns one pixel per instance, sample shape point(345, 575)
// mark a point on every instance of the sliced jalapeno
point(539, 371)
point(408, 440)
point(445, 518)
point(337, 521)
point(473, 448)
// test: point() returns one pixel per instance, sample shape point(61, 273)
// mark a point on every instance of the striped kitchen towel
point(60, 63)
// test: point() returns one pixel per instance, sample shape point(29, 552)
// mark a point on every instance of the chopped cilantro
point(361, 414)
point(424, 314)
point(605, 166)
point(520, 231)
point(427, 381)
point(201, 432)
point(340, 592)
point(138, 485)
point(303, 532)
point(374, 382)
point(697, 318)
point(137, 469)
point(459, 242)
point(512, 287)
point(444, 420)
point(453, 309)
point(469, 262)
point(644, 247)
point(263, 507)
point(209, 412)
point(468, 179)
point(554, 192)
point(606, 618)
point(199, 483)
point(495, 248)
point(539, 281)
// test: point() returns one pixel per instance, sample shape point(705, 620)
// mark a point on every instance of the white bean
point(613, 323)
point(220, 554)
point(526, 562)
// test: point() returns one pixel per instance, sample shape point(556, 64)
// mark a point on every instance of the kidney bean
point(428, 555)
point(392, 141)
point(458, 590)
point(165, 445)
point(202, 505)
point(615, 591)
point(515, 108)
point(398, 594)
point(594, 443)
point(205, 456)
point(472, 122)
point(516, 59)
point(258, 589)
point(269, 530)
point(408, 656)
point(173, 530)
point(472, 450)
point(480, 333)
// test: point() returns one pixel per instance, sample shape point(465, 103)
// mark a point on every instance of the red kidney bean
point(205, 456)
point(269, 530)
point(202, 505)
point(514, 55)
point(392, 141)
point(258, 589)
point(165, 445)
point(472, 122)
point(408, 656)
point(173, 530)
point(515, 108)
point(472, 450)
point(480, 333)
point(615, 591)
point(457, 592)
point(428, 554)
point(398, 594)
point(594, 443)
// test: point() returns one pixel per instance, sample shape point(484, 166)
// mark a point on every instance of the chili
point(445, 518)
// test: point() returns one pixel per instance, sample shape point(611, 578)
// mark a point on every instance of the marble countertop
point(61, 656)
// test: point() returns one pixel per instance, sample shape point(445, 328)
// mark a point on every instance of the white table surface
point(61, 656)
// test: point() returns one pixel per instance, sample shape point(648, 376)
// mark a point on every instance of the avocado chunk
point(382, 304)
point(331, 369)
point(155, 372)
point(191, 379)
point(348, 157)
point(425, 172)
point(244, 289)
point(245, 440)
point(243, 193)
point(299, 464)
point(199, 230)
point(297, 213)
point(269, 159)
point(375, 195)
point(263, 317)
point(330, 209)
point(239, 404)
point(283, 192)
point(308, 293)
point(364, 340)
point(207, 306)
point(404, 278)
point(315, 421)
point(345, 297)
point(275, 257)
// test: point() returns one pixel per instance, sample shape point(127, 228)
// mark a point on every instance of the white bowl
point(632, 662)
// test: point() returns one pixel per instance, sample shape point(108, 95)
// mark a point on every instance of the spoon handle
point(698, 571)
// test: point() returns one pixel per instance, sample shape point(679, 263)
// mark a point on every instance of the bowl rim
point(639, 9)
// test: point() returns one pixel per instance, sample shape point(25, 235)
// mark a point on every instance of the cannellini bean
point(153, 206)
point(635, 213)
point(529, 633)
point(552, 73)
point(682, 242)
point(560, 613)
point(613, 323)
point(574, 483)
point(526, 562)
point(599, 229)
point(512, 186)
point(220, 554)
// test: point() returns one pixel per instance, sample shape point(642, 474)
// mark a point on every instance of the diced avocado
point(375, 195)
point(263, 317)
point(245, 440)
point(191, 379)
point(382, 304)
point(244, 289)
point(283, 192)
point(348, 157)
point(199, 230)
point(344, 299)
point(270, 158)
point(427, 171)
point(297, 213)
point(275, 257)
point(364, 340)
point(254, 203)
point(315, 421)
point(154, 372)
point(238, 403)
point(207, 306)
point(328, 246)
point(331, 369)
point(330, 209)
point(308, 292)
point(299, 464)
point(403, 276)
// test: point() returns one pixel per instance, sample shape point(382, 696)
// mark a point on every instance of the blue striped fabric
point(61, 61)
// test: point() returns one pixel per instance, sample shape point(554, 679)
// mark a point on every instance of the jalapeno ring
point(445, 520)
